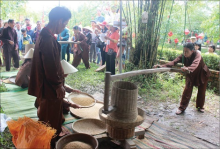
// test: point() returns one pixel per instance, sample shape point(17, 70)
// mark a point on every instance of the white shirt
point(211, 53)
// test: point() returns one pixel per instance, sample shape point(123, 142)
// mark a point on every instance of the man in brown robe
point(47, 76)
point(198, 76)
point(81, 51)
point(9, 37)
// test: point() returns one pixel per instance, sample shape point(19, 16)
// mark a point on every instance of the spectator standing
point(5, 25)
point(197, 47)
point(98, 43)
point(87, 32)
point(19, 34)
point(27, 23)
point(111, 48)
point(92, 51)
point(99, 17)
point(37, 31)
point(30, 32)
point(26, 39)
point(63, 36)
point(104, 30)
point(10, 47)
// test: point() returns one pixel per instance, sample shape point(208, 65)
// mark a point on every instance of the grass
point(86, 80)
point(157, 88)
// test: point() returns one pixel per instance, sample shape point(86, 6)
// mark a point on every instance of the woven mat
point(8, 74)
point(18, 104)
point(160, 136)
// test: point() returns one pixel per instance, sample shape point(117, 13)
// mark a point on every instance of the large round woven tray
point(89, 126)
point(117, 123)
point(92, 112)
point(82, 99)
point(101, 68)
point(10, 80)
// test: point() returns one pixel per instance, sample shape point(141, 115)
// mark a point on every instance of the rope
point(184, 31)
point(168, 22)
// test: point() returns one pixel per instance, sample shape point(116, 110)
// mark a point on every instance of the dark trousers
point(187, 93)
point(84, 55)
point(10, 52)
point(92, 52)
point(68, 52)
point(110, 63)
point(103, 55)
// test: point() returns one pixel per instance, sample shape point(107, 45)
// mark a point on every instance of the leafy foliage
point(201, 17)
point(3, 88)
point(12, 9)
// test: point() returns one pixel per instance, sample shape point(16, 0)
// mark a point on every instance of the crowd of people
point(92, 43)
point(13, 38)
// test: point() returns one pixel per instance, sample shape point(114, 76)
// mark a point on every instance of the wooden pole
point(106, 92)
point(120, 64)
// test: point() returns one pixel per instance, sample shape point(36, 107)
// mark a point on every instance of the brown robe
point(22, 78)
point(198, 76)
point(82, 51)
point(46, 77)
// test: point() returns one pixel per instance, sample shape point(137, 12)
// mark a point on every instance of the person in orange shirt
point(111, 48)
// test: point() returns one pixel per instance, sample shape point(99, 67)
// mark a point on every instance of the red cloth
point(113, 45)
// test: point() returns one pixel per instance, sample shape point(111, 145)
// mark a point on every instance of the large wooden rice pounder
point(125, 116)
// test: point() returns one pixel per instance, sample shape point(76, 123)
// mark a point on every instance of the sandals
point(178, 112)
point(201, 110)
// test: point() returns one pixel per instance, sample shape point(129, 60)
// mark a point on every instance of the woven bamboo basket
point(89, 126)
point(124, 97)
point(116, 123)
point(119, 133)
point(92, 112)
point(82, 99)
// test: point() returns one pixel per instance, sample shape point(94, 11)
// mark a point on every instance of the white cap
point(193, 37)
point(67, 67)
point(29, 54)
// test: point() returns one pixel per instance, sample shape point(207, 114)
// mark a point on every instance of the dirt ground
point(202, 125)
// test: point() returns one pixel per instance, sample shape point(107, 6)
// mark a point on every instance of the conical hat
point(29, 54)
point(67, 67)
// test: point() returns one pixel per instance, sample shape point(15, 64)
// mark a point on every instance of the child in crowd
point(197, 47)
point(211, 50)
point(26, 39)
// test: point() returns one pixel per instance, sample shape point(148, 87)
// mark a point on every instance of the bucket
point(124, 97)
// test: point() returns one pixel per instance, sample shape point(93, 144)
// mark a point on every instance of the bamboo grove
point(147, 35)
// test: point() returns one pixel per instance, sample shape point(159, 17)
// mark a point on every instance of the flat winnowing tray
point(82, 99)
point(89, 126)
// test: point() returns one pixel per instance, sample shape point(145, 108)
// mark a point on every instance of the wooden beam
point(138, 72)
